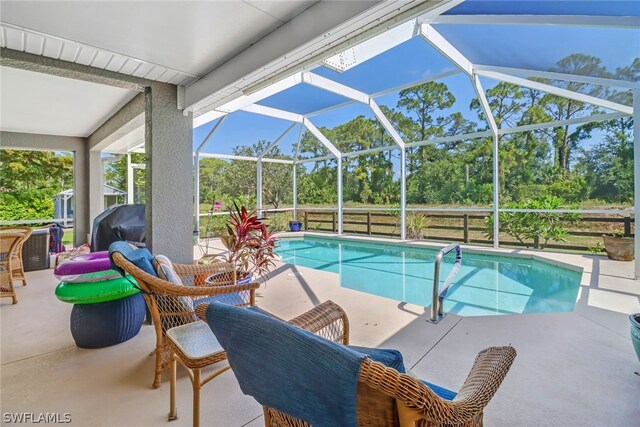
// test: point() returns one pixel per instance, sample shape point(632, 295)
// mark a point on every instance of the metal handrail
point(437, 295)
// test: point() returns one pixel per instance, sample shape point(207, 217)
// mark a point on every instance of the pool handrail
point(437, 295)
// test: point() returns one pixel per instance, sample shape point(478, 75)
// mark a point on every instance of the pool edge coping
point(516, 253)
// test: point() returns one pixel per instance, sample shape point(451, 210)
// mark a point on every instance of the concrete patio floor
point(572, 368)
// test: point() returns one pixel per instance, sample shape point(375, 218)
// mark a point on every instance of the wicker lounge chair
point(9, 243)
point(17, 267)
point(174, 305)
point(384, 396)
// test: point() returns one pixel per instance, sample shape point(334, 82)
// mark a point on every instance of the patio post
point(130, 187)
point(496, 191)
point(295, 192)
point(339, 179)
point(636, 177)
point(403, 194)
point(259, 186)
point(196, 192)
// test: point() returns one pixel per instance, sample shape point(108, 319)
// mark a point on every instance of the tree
point(559, 108)
point(29, 180)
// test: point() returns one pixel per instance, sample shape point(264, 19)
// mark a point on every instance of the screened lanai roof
point(472, 46)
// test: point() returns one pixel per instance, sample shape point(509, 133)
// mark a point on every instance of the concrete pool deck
point(574, 368)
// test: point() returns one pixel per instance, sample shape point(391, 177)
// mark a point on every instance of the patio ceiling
point(45, 104)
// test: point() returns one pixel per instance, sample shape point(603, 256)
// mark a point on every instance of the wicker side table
point(195, 347)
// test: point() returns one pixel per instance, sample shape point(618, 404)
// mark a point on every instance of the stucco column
point(169, 177)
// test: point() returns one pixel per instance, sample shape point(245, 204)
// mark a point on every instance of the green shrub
point(531, 227)
point(278, 222)
point(417, 225)
point(22, 205)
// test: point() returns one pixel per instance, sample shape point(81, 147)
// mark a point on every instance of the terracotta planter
point(635, 332)
point(619, 248)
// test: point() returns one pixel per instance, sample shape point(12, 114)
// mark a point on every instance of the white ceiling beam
point(323, 139)
point(556, 91)
point(435, 39)
point(475, 80)
point(315, 159)
point(387, 91)
point(558, 20)
point(278, 139)
point(207, 117)
point(247, 158)
point(249, 98)
point(558, 123)
point(386, 123)
point(273, 112)
point(335, 87)
point(371, 48)
point(370, 151)
point(319, 32)
point(453, 138)
point(213, 130)
point(552, 75)
point(415, 83)
point(395, 36)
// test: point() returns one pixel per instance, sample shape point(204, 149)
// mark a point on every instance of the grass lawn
point(67, 239)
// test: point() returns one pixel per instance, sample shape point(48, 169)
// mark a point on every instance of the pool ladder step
point(437, 293)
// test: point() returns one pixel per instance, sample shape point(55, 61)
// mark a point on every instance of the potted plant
point(635, 332)
point(249, 243)
point(618, 247)
point(295, 225)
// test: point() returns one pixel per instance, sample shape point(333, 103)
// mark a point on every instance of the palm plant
point(250, 244)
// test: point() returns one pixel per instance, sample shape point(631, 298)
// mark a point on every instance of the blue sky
point(533, 47)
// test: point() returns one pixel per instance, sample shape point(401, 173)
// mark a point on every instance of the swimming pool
point(485, 285)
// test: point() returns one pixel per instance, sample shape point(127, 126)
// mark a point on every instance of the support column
point(196, 192)
point(259, 186)
point(65, 200)
point(96, 193)
point(496, 191)
point(130, 183)
point(636, 177)
point(295, 192)
point(403, 194)
point(169, 178)
point(339, 177)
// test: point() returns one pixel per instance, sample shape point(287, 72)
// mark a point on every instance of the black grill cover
point(118, 222)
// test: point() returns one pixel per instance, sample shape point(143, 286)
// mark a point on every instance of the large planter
point(295, 225)
point(635, 332)
point(619, 248)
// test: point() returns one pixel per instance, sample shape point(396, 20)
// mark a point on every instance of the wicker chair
point(17, 267)
point(9, 243)
point(174, 305)
point(386, 397)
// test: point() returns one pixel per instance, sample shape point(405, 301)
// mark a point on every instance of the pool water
point(485, 285)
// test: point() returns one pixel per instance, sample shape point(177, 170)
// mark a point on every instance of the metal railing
point(437, 295)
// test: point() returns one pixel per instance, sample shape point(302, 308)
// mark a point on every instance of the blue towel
point(141, 258)
point(287, 368)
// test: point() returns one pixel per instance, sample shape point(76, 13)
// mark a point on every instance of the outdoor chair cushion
point(313, 378)
point(316, 382)
point(164, 268)
point(140, 257)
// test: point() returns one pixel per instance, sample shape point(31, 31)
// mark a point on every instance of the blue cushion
point(300, 373)
point(388, 357)
point(234, 298)
point(141, 258)
point(441, 391)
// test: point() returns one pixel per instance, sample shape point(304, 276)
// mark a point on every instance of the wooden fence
point(462, 227)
